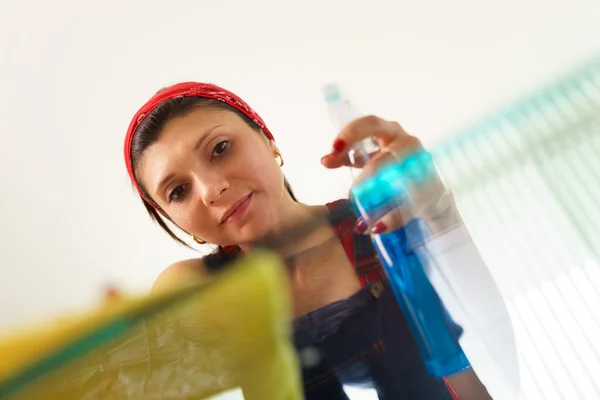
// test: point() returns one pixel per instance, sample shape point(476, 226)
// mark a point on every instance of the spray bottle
point(408, 252)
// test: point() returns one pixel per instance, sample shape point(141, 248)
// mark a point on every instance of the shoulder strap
point(221, 257)
point(359, 248)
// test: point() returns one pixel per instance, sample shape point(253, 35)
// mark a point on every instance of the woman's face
point(214, 176)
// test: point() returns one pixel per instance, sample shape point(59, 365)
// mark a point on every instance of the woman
point(201, 158)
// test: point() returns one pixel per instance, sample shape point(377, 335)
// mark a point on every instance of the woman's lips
point(237, 211)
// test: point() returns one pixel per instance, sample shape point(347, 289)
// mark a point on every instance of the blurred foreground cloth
point(191, 342)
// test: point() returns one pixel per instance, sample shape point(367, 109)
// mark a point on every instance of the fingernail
point(338, 146)
point(361, 226)
point(379, 227)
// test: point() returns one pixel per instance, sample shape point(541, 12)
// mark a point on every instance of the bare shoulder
point(179, 272)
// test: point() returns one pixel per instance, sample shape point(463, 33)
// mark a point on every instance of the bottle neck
point(342, 113)
point(362, 152)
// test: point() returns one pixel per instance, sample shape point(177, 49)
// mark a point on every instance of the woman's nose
point(212, 190)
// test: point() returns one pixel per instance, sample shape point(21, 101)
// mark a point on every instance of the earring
point(278, 155)
point(198, 240)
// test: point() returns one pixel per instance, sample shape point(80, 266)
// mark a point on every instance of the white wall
point(72, 75)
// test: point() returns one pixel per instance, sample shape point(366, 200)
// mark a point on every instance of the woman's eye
point(177, 193)
point(221, 148)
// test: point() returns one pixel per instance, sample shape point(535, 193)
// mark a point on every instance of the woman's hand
point(395, 145)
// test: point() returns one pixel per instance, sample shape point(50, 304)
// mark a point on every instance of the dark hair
point(149, 131)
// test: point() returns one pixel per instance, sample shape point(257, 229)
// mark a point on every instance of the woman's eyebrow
point(204, 136)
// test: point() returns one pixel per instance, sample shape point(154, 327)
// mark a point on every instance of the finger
point(402, 147)
point(385, 132)
point(390, 222)
point(361, 226)
point(370, 126)
point(330, 161)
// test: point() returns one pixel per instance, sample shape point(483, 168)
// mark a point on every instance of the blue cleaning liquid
point(406, 254)
point(433, 329)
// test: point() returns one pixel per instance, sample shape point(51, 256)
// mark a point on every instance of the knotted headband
point(186, 89)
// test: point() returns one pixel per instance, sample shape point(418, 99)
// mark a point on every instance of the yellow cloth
point(193, 342)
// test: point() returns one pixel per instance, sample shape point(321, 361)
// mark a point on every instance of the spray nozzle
point(331, 92)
